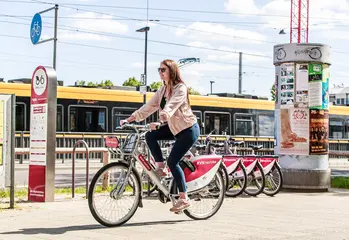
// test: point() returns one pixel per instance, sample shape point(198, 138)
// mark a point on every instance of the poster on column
point(302, 86)
point(277, 131)
point(287, 85)
point(315, 86)
point(325, 82)
point(294, 131)
point(276, 86)
point(318, 132)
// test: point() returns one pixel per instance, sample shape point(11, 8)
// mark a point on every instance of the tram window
point(87, 119)
point(346, 129)
point(121, 114)
point(20, 116)
point(59, 122)
point(244, 125)
point(266, 125)
point(336, 128)
point(198, 115)
point(217, 120)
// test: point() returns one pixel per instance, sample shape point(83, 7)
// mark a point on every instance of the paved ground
point(284, 217)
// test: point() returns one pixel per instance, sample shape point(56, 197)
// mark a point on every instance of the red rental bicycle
point(119, 183)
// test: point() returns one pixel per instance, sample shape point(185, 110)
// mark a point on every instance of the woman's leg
point(184, 141)
point(163, 133)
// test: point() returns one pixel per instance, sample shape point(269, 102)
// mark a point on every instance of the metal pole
point(55, 38)
point(73, 167)
point(145, 70)
point(240, 72)
point(12, 183)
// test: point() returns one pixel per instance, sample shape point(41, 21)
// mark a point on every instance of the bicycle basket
point(130, 143)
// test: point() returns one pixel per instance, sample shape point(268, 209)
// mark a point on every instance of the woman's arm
point(147, 109)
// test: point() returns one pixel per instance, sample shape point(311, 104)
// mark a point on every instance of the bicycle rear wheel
point(110, 188)
point(237, 184)
point(273, 181)
point(255, 181)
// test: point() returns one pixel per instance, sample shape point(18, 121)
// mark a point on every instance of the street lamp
point(211, 85)
point(144, 77)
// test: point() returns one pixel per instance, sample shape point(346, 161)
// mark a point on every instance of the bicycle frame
point(205, 167)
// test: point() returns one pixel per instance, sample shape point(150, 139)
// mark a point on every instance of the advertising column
point(301, 114)
point(42, 135)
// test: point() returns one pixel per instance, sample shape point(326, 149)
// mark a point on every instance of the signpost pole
point(42, 135)
point(12, 159)
point(55, 39)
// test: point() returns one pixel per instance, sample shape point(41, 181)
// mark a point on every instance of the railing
point(73, 167)
point(337, 147)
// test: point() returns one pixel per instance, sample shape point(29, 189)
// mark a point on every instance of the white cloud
point(95, 23)
point(229, 54)
point(219, 32)
point(149, 64)
point(81, 36)
point(241, 6)
point(320, 13)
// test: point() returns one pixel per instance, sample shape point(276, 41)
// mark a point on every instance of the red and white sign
point(38, 135)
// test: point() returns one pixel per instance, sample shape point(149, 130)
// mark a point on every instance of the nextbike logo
point(144, 162)
point(39, 82)
point(207, 162)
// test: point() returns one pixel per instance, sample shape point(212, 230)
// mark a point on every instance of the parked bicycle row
point(210, 175)
point(252, 174)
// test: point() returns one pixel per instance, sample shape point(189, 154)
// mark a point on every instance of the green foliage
point(273, 93)
point(193, 91)
point(103, 83)
point(156, 85)
point(132, 82)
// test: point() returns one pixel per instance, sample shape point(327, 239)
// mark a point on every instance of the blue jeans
point(184, 141)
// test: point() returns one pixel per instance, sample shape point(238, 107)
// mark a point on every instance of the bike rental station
point(213, 170)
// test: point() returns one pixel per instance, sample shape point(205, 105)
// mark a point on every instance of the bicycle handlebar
point(136, 128)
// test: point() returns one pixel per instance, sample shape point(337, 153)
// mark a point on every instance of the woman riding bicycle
point(177, 122)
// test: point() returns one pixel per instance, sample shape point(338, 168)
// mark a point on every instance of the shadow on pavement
point(62, 230)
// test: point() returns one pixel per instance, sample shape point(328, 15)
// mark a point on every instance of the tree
point(92, 84)
point(192, 91)
point(132, 82)
point(80, 83)
point(273, 92)
point(106, 83)
point(156, 85)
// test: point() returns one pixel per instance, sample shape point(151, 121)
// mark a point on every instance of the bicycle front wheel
point(207, 202)
point(113, 198)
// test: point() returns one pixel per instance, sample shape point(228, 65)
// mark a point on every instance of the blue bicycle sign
point(35, 28)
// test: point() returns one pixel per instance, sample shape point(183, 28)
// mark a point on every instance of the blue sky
point(249, 26)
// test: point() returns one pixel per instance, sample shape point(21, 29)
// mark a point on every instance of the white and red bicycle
point(119, 183)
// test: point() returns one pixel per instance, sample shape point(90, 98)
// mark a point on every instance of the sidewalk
point(320, 216)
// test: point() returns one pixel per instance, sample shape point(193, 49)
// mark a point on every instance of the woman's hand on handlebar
point(154, 125)
point(122, 122)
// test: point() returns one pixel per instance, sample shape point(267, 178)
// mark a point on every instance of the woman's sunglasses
point(161, 70)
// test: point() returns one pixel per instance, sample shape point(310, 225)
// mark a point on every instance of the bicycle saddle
point(200, 146)
point(255, 147)
point(217, 144)
point(237, 143)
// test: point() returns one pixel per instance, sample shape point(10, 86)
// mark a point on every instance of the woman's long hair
point(175, 76)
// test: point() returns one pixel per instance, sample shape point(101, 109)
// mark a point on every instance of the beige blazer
point(179, 115)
